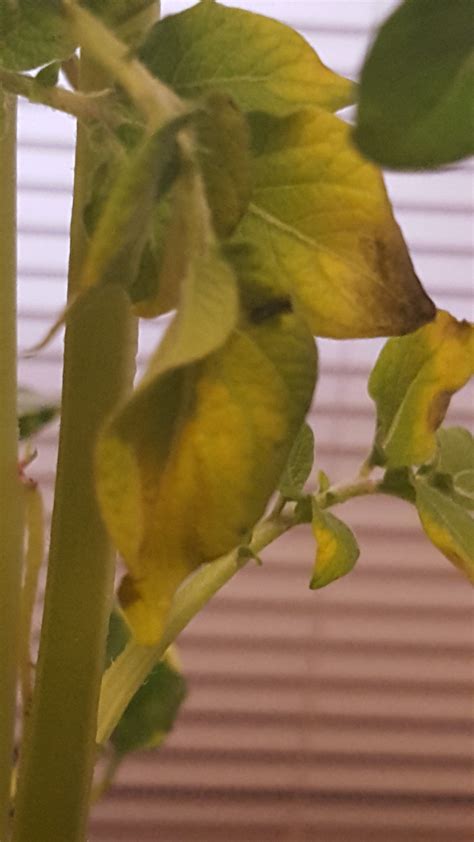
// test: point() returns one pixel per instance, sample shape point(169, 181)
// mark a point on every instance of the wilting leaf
point(412, 384)
point(187, 467)
point(121, 231)
point(34, 412)
point(222, 149)
point(208, 308)
point(262, 64)
point(416, 104)
point(448, 526)
point(223, 139)
point(322, 218)
point(300, 462)
point(337, 550)
point(32, 33)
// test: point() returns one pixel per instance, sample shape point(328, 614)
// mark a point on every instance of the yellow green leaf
point(337, 549)
point(448, 526)
point(261, 63)
point(412, 384)
point(322, 218)
point(187, 467)
point(208, 308)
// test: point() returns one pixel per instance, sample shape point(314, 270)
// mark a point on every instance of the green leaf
point(34, 412)
point(32, 33)
point(412, 384)
point(48, 76)
point(118, 636)
point(223, 140)
point(463, 483)
point(448, 526)
point(187, 467)
point(322, 219)
point(262, 64)
point(300, 462)
point(337, 550)
point(416, 104)
point(152, 711)
point(151, 714)
point(397, 482)
point(455, 450)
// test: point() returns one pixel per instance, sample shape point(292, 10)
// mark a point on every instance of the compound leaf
point(323, 221)
point(187, 467)
point(412, 384)
point(262, 64)
point(337, 549)
point(416, 104)
point(448, 526)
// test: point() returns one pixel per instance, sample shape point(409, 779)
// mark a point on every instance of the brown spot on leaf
point(438, 409)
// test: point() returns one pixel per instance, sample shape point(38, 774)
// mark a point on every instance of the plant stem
point(34, 556)
point(81, 105)
point(11, 530)
point(59, 749)
point(128, 672)
point(337, 494)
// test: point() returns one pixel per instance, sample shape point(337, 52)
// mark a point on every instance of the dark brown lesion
point(273, 307)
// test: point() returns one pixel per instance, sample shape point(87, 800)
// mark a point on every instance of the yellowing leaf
point(186, 468)
point(321, 216)
point(412, 384)
point(448, 526)
point(337, 550)
point(262, 64)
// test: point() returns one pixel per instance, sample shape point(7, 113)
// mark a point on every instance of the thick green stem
point(10, 489)
point(130, 669)
point(59, 749)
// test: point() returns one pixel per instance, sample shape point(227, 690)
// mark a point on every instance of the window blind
point(342, 715)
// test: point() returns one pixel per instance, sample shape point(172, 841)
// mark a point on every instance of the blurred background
point(342, 715)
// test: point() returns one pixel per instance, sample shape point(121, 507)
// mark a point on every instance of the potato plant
point(213, 181)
